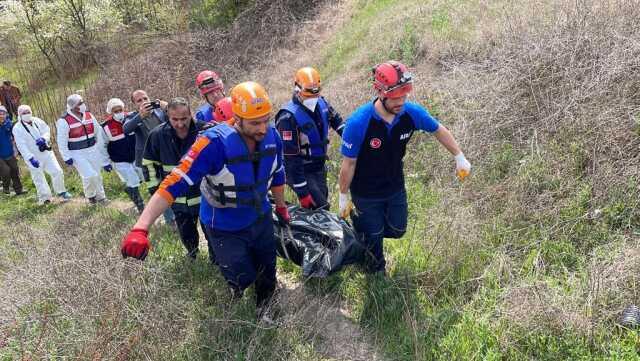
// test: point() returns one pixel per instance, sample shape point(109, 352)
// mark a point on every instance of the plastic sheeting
point(318, 241)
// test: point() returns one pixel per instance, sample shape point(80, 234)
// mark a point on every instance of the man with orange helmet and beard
point(374, 143)
point(238, 166)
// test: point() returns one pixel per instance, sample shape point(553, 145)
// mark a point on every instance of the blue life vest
point(205, 113)
point(238, 196)
point(312, 143)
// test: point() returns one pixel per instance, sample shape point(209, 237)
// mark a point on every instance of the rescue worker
point(148, 116)
point(81, 145)
point(223, 112)
point(33, 140)
point(211, 89)
point(166, 145)
point(304, 124)
point(121, 148)
point(239, 164)
point(374, 143)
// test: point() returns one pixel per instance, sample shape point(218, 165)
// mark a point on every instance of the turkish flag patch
point(375, 143)
point(287, 135)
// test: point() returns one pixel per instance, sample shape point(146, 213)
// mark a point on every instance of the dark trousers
point(317, 184)
point(379, 219)
point(247, 256)
point(187, 223)
point(10, 173)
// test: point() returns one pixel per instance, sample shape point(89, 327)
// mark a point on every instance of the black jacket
point(163, 152)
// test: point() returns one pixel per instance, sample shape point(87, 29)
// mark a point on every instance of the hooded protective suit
point(27, 135)
point(80, 142)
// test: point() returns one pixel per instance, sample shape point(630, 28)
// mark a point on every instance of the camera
point(154, 104)
point(44, 147)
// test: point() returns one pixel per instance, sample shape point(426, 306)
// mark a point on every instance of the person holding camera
point(149, 115)
point(80, 143)
point(33, 139)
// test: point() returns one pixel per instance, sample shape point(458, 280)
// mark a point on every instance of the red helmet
point(223, 112)
point(208, 81)
point(392, 79)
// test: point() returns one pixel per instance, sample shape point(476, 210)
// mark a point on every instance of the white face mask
point(83, 108)
point(118, 116)
point(26, 118)
point(310, 103)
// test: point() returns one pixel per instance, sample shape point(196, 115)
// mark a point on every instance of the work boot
point(92, 200)
point(66, 196)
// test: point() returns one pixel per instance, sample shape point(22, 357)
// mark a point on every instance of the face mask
point(310, 103)
point(83, 108)
point(26, 118)
point(119, 116)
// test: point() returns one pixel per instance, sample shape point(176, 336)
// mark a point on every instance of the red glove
point(135, 244)
point(283, 214)
point(307, 202)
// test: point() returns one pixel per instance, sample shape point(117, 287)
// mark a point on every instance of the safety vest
point(121, 146)
point(81, 133)
point(237, 192)
point(313, 144)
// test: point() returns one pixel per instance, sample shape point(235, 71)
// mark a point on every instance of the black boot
point(135, 197)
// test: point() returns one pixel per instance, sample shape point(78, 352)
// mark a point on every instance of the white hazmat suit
point(26, 132)
point(80, 143)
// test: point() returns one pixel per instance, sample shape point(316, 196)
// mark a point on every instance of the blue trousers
point(380, 218)
point(248, 256)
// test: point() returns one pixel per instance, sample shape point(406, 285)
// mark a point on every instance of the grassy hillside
point(533, 258)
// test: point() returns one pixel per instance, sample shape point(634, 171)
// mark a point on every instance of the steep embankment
point(533, 258)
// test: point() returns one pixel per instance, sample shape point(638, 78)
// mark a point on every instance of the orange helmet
point(249, 100)
point(223, 112)
point(307, 82)
point(208, 81)
point(392, 79)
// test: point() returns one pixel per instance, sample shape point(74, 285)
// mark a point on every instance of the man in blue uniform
point(374, 143)
point(237, 166)
point(211, 88)
point(304, 124)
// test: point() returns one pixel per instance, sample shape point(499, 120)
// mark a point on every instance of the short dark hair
point(178, 102)
point(7, 82)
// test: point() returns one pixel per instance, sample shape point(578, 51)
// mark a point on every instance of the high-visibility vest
point(81, 133)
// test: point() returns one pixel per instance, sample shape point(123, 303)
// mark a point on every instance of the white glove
point(345, 205)
point(463, 167)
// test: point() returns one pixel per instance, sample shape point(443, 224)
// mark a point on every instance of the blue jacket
point(6, 145)
point(235, 182)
